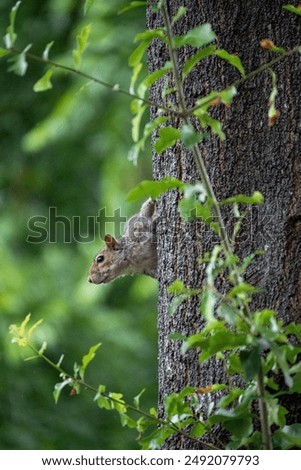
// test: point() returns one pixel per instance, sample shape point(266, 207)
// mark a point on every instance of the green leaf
point(220, 340)
point(149, 34)
point(238, 423)
point(47, 49)
point(117, 402)
point(176, 302)
point(231, 59)
point(59, 387)
point(87, 359)
point(88, 4)
point(19, 61)
point(196, 58)
point(102, 400)
point(181, 12)
point(256, 198)
point(137, 398)
point(198, 430)
point(136, 121)
point(228, 95)
point(292, 9)
point(177, 287)
point(207, 121)
point(241, 289)
point(289, 436)
point(3, 52)
point(251, 362)
point(44, 83)
point(131, 6)
point(82, 44)
point(280, 355)
point(138, 53)
point(11, 36)
point(234, 365)
point(153, 77)
point(190, 137)
point(232, 395)
point(296, 387)
point(208, 301)
point(153, 189)
point(293, 329)
point(126, 420)
point(227, 313)
point(155, 439)
point(196, 37)
point(168, 136)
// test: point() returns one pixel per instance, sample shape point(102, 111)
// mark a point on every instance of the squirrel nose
point(90, 279)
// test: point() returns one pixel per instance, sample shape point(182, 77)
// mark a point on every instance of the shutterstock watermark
point(55, 227)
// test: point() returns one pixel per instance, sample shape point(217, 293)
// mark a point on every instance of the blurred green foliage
point(67, 148)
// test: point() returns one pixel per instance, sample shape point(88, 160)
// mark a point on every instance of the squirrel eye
point(100, 259)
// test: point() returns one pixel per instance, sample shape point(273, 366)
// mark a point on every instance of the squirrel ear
point(110, 241)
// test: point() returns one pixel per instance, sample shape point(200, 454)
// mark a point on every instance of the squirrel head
point(109, 262)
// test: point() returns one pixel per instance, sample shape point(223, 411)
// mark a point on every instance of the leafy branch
point(108, 400)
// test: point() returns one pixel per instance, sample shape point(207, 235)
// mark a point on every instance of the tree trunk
point(253, 157)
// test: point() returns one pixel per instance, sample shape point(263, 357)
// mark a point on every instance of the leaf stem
point(162, 422)
point(114, 88)
point(247, 77)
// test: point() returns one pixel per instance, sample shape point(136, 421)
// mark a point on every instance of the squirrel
point(135, 252)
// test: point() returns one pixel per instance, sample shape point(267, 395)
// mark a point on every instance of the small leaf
point(196, 37)
point(289, 436)
point(256, 198)
point(47, 49)
point(251, 362)
point(137, 398)
point(176, 302)
point(59, 387)
point(196, 58)
point(190, 137)
point(10, 37)
point(242, 288)
point(293, 9)
point(177, 287)
point(228, 399)
point(208, 301)
point(87, 359)
point(153, 77)
point(88, 4)
point(181, 12)
point(117, 402)
point(136, 121)
point(149, 34)
point(231, 59)
point(82, 44)
point(44, 83)
point(136, 56)
point(102, 400)
point(153, 189)
point(168, 136)
point(3, 52)
point(19, 61)
point(131, 6)
point(228, 95)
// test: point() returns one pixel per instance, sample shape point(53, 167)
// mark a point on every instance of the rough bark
point(253, 157)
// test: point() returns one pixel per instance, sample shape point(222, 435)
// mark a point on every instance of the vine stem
point(87, 386)
point(114, 88)
point(226, 244)
point(263, 410)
